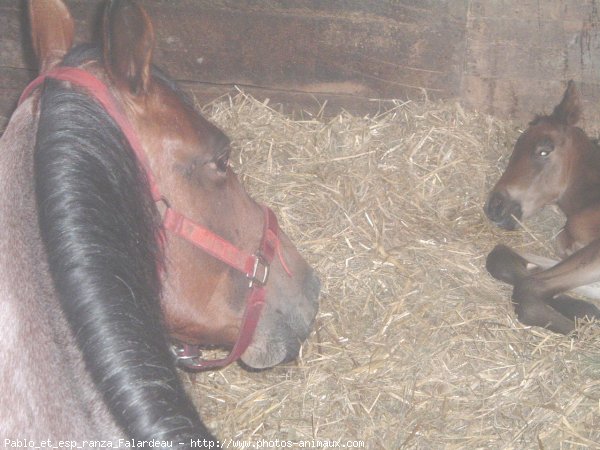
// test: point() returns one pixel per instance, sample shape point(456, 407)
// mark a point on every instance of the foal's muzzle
point(503, 210)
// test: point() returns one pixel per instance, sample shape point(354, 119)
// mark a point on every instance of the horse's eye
point(222, 162)
point(543, 150)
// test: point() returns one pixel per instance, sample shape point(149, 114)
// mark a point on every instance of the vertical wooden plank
point(520, 54)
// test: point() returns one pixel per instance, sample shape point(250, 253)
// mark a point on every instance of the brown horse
point(94, 281)
point(553, 162)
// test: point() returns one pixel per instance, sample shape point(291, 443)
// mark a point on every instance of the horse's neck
point(584, 190)
point(38, 357)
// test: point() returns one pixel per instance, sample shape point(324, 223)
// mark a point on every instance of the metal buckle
point(260, 272)
point(162, 204)
point(182, 358)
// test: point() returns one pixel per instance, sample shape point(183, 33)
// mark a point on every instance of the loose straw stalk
point(415, 345)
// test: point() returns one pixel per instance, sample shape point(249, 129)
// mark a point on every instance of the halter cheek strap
point(255, 267)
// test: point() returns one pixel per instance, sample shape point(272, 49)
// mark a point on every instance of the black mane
point(100, 227)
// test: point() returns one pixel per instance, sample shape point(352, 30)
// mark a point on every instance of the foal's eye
point(544, 149)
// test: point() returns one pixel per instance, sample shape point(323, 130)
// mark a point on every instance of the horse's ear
point(128, 42)
point(52, 31)
point(568, 110)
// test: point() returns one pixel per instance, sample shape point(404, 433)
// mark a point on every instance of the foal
point(553, 162)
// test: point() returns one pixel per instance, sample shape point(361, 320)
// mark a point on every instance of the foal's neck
point(584, 190)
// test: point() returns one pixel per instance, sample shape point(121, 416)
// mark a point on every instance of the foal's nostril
point(495, 207)
point(503, 210)
point(517, 211)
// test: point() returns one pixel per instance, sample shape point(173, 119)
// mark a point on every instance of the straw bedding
point(415, 345)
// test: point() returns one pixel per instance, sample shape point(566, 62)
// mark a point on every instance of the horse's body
point(92, 287)
point(47, 392)
point(553, 162)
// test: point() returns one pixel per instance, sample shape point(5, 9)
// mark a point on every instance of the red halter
point(255, 267)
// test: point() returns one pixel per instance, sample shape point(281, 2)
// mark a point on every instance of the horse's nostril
point(312, 286)
point(503, 210)
point(517, 212)
point(491, 206)
point(497, 207)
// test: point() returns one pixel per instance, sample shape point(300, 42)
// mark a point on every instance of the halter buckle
point(260, 272)
point(185, 355)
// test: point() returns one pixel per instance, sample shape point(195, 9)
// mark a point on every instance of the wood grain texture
point(520, 55)
point(506, 57)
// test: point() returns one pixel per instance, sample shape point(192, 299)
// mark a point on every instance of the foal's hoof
point(506, 265)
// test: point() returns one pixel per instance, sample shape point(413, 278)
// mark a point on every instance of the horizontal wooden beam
point(501, 57)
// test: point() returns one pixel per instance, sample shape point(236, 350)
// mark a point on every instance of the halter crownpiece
point(255, 267)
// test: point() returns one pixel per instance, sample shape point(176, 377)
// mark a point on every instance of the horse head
point(542, 166)
point(147, 232)
point(553, 162)
point(203, 298)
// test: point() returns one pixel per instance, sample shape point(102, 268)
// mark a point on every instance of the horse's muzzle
point(312, 287)
point(503, 210)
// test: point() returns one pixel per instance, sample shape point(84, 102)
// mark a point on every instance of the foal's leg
point(535, 298)
point(533, 306)
point(579, 231)
point(506, 265)
point(574, 307)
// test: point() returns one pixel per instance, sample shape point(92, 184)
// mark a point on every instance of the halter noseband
point(255, 267)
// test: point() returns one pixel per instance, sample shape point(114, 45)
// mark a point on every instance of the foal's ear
point(52, 31)
point(568, 110)
point(128, 42)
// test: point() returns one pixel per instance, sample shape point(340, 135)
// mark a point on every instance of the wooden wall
point(506, 57)
point(519, 54)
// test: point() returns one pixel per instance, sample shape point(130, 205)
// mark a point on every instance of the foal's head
point(542, 165)
point(203, 299)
